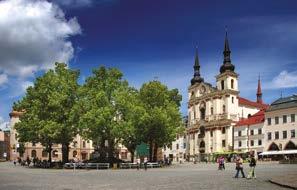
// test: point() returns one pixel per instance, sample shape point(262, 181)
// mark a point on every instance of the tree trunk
point(155, 152)
point(65, 152)
point(102, 153)
point(151, 151)
point(49, 150)
point(111, 150)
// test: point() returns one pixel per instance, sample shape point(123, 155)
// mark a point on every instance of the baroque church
point(214, 111)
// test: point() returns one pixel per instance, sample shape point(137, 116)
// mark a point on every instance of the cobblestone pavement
point(184, 176)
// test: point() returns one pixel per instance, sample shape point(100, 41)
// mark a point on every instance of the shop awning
point(281, 152)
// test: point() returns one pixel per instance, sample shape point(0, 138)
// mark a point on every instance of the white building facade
point(281, 125)
point(213, 112)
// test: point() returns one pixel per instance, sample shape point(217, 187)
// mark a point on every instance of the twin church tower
point(214, 111)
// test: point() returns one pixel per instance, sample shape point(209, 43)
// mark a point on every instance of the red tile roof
point(258, 117)
point(247, 102)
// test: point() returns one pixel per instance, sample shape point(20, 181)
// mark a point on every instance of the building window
point(269, 136)
point(224, 143)
point(211, 133)
point(177, 146)
point(293, 133)
point(55, 154)
point(252, 142)
point(232, 100)
point(252, 132)
point(211, 110)
point(44, 153)
point(239, 133)
point(224, 109)
point(284, 134)
point(232, 83)
point(84, 144)
point(222, 84)
point(259, 131)
point(259, 142)
point(185, 145)
point(239, 143)
point(269, 121)
point(284, 119)
point(33, 154)
point(223, 130)
point(276, 135)
point(276, 120)
point(74, 154)
point(192, 94)
point(202, 113)
point(292, 118)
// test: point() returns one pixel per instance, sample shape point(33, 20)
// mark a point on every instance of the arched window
point(211, 110)
point(202, 111)
point(74, 154)
point(202, 144)
point(84, 144)
point(290, 146)
point(33, 153)
point(232, 83)
point(222, 84)
point(44, 153)
point(55, 154)
point(224, 109)
point(272, 147)
point(232, 100)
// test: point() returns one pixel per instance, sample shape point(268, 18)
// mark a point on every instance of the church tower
point(259, 92)
point(227, 79)
point(197, 77)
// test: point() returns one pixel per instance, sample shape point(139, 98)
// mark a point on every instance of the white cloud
point(35, 34)
point(74, 3)
point(3, 79)
point(285, 79)
point(3, 124)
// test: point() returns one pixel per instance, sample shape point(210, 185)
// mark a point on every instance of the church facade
point(213, 111)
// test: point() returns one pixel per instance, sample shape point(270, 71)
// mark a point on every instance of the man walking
point(252, 167)
point(239, 167)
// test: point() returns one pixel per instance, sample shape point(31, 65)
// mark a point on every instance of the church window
point(211, 133)
point(232, 83)
point(223, 130)
point(222, 84)
point(224, 109)
point(232, 100)
point(202, 113)
point(211, 110)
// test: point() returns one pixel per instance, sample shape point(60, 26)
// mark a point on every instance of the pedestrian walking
point(239, 167)
point(14, 162)
point(138, 163)
point(28, 161)
point(252, 165)
point(145, 163)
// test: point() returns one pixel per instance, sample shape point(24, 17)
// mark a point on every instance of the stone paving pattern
point(184, 176)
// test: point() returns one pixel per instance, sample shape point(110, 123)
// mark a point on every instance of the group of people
point(239, 166)
point(145, 161)
point(27, 162)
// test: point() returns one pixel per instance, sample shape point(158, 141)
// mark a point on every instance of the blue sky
point(147, 39)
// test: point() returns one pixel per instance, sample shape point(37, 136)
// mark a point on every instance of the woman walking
point(239, 167)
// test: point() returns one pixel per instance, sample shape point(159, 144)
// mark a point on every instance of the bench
point(128, 165)
point(153, 165)
point(86, 166)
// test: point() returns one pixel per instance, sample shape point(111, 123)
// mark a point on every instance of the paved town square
point(184, 176)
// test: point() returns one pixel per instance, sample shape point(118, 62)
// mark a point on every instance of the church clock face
point(202, 90)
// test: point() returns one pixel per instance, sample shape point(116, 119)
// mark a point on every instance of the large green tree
point(98, 112)
point(162, 119)
point(47, 106)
